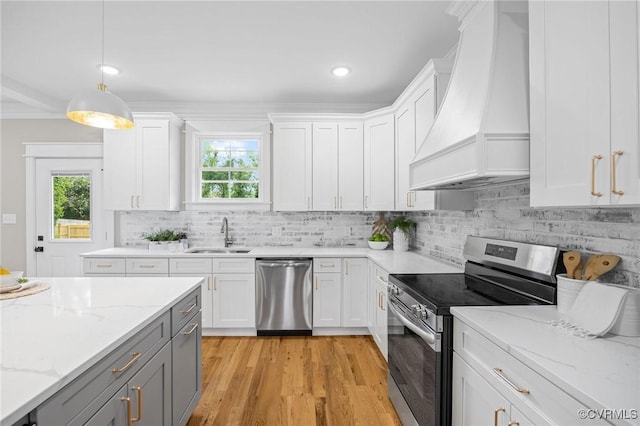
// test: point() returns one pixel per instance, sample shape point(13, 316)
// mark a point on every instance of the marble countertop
point(48, 339)
point(394, 262)
point(600, 373)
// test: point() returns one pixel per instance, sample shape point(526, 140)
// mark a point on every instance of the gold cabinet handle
point(593, 175)
point(382, 301)
point(137, 201)
point(509, 382)
point(189, 309)
point(615, 190)
point(335, 203)
point(209, 283)
point(128, 402)
point(136, 355)
point(513, 423)
point(383, 279)
point(138, 390)
point(215, 283)
point(131, 201)
point(366, 202)
point(496, 413)
point(341, 202)
point(408, 199)
point(346, 267)
point(193, 328)
point(147, 266)
point(104, 265)
point(316, 281)
point(308, 203)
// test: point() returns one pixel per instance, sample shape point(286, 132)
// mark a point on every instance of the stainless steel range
point(420, 325)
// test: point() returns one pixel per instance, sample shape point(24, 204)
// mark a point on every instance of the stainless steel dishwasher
point(284, 297)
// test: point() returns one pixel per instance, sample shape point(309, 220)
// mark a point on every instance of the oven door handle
point(430, 338)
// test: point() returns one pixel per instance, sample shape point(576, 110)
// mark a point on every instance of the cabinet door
point(187, 370)
point(475, 402)
point(234, 300)
point(150, 391)
point(425, 105)
point(381, 316)
point(570, 106)
point(624, 17)
point(350, 166)
point(114, 412)
point(152, 176)
point(379, 172)
point(292, 162)
point(326, 300)
point(405, 150)
point(325, 166)
point(119, 163)
point(354, 293)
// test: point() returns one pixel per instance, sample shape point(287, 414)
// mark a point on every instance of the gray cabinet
point(153, 379)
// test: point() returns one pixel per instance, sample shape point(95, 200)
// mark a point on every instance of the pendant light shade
point(100, 108)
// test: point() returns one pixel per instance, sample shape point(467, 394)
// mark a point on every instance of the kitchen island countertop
point(601, 373)
point(394, 262)
point(50, 338)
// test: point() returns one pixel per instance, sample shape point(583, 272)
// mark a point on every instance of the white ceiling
point(212, 56)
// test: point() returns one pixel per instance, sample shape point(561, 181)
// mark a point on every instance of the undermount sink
point(217, 250)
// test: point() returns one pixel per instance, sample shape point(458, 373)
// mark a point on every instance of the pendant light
point(100, 108)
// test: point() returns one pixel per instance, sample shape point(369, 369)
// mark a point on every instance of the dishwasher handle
point(285, 264)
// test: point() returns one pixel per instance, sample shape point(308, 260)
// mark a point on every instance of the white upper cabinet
point(415, 113)
point(292, 166)
point(584, 103)
point(325, 166)
point(379, 154)
point(142, 165)
point(350, 166)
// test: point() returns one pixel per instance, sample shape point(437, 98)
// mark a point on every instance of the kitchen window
point(227, 165)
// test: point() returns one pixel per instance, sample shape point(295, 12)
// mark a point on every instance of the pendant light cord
point(102, 60)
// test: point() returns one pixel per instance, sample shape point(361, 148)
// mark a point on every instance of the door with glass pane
point(69, 215)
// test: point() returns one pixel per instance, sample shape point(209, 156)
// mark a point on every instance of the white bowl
point(10, 279)
point(378, 245)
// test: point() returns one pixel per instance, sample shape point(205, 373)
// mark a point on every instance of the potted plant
point(163, 240)
point(402, 228)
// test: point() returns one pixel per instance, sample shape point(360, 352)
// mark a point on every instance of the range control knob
point(393, 289)
point(420, 311)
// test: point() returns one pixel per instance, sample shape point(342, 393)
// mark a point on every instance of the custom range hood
point(481, 133)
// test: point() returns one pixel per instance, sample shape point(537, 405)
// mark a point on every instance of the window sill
point(227, 205)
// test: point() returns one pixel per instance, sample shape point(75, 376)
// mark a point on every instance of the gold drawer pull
point(136, 355)
point(383, 279)
point(147, 266)
point(138, 390)
point(513, 423)
point(613, 173)
point(128, 401)
point(193, 328)
point(104, 265)
point(593, 175)
point(496, 413)
point(193, 305)
point(509, 382)
point(324, 265)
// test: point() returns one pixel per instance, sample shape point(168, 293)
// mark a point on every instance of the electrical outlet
point(348, 231)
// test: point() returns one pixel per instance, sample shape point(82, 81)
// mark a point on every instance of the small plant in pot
point(402, 228)
point(378, 241)
point(163, 240)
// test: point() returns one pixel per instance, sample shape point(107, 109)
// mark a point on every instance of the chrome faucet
point(225, 230)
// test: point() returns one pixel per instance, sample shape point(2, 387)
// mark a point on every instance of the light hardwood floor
point(298, 381)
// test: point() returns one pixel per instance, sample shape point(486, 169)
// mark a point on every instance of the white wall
point(14, 133)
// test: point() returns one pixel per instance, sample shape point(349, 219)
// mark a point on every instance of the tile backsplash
point(502, 212)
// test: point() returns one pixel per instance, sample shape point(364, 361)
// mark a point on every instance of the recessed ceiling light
point(109, 69)
point(340, 71)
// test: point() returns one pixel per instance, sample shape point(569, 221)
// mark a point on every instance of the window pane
point(215, 176)
point(215, 190)
point(244, 159)
point(244, 190)
point(212, 158)
point(246, 175)
point(71, 206)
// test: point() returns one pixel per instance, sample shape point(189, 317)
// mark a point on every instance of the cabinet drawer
point(543, 398)
point(145, 265)
point(187, 370)
point(94, 265)
point(380, 274)
point(100, 382)
point(329, 264)
point(241, 265)
point(184, 310)
point(198, 265)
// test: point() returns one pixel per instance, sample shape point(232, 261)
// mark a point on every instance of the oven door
point(415, 366)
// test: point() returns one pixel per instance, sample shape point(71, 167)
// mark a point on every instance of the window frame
point(195, 133)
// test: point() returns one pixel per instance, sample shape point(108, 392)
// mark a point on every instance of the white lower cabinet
point(490, 386)
point(327, 293)
point(234, 300)
point(378, 280)
point(354, 292)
